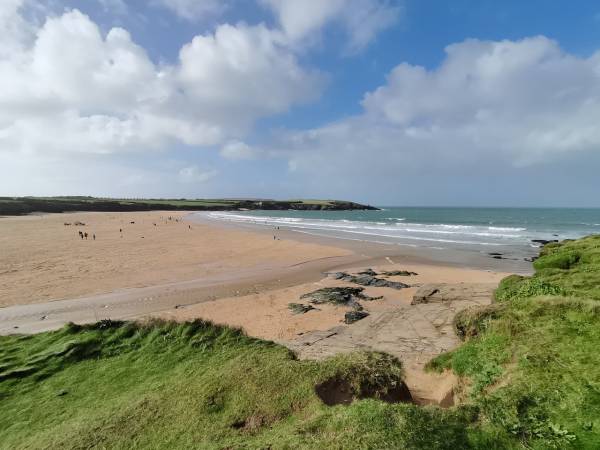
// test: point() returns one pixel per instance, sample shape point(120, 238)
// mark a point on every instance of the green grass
point(532, 365)
point(196, 385)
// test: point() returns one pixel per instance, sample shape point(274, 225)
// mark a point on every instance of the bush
point(517, 287)
point(473, 321)
point(561, 260)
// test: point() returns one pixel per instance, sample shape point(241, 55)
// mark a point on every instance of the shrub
point(473, 321)
point(518, 287)
point(561, 260)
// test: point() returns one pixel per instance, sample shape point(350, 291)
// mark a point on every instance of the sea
point(505, 232)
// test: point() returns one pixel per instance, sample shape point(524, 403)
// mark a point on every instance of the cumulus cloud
point(519, 101)
point(488, 105)
point(360, 19)
point(70, 88)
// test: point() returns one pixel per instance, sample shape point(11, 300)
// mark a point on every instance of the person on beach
point(80, 234)
point(86, 235)
point(94, 236)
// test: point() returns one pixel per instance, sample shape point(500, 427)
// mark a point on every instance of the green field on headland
point(27, 205)
point(529, 370)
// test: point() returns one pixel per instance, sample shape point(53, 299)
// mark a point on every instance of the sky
point(387, 102)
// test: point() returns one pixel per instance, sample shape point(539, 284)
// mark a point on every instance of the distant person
point(94, 236)
point(86, 235)
point(80, 234)
point(189, 227)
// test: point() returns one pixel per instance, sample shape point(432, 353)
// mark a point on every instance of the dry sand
point(266, 314)
point(42, 260)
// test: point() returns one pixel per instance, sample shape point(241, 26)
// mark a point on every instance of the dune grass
point(532, 365)
point(196, 385)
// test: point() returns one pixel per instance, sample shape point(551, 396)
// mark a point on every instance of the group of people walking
point(84, 235)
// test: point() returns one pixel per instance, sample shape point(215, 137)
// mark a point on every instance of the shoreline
point(380, 251)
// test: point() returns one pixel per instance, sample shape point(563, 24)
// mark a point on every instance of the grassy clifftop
point(26, 205)
point(531, 360)
point(530, 371)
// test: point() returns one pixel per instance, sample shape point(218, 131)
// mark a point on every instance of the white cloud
point(237, 150)
point(361, 19)
point(194, 174)
point(488, 105)
point(69, 88)
point(194, 9)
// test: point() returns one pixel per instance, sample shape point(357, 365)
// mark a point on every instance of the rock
point(401, 273)
point(543, 242)
point(368, 271)
point(337, 296)
point(423, 294)
point(354, 316)
point(299, 308)
point(368, 280)
point(338, 275)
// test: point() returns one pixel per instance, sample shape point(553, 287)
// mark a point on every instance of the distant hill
point(11, 206)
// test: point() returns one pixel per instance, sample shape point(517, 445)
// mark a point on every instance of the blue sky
point(407, 102)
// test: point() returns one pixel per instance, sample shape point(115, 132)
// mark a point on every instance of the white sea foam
point(371, 231)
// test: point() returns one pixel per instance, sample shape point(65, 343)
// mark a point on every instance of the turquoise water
point(509, 231)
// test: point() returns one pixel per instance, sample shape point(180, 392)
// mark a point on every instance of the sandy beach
point(42, 259)
point(167, 265)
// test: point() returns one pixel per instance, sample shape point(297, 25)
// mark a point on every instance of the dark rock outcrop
point(299, 308)
point(337, 296)
point(399, 273)
point(368, 280)
point(368, 271)
point(543, 242)
point(354, 316)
